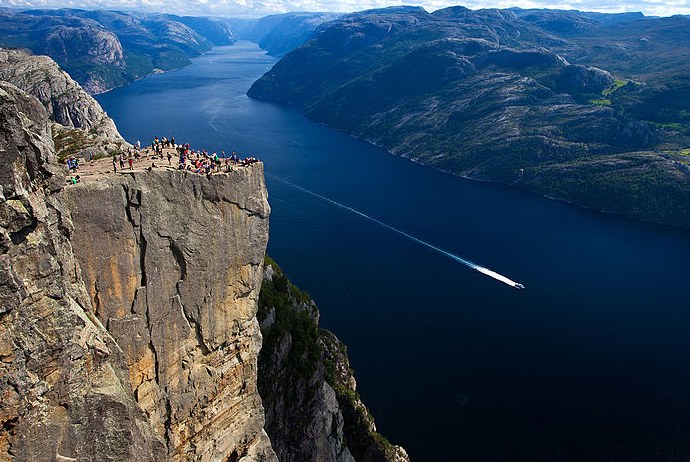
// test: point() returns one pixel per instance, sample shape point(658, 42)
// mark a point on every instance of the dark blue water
point(590, 363)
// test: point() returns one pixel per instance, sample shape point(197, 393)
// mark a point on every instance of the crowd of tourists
point(179, 156)
point(186, 158)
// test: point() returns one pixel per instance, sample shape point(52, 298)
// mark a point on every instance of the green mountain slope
point(527, 97)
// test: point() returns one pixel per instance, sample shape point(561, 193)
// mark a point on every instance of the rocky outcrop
point(66, 102)
point(64, 380)
point(305, 379)
point(172, 265)
point(127, 327)
point(80, 126)
point(128, 323)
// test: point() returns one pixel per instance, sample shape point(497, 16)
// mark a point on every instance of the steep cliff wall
point(128, 319)
point(64, 382)
point(127, 328)
point(172, 264)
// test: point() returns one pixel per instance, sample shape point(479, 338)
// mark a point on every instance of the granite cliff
point(63, 375)
point(128, 324)
point(172, 265)
point(128, 320)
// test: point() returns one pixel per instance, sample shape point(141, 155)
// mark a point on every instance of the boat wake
point(481, 269)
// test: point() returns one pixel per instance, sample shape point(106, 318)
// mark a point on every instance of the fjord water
point(589, 363)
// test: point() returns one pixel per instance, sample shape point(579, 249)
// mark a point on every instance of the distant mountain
point(281, 33)
point(575, 106)
point(106, 49)
point(218, 31)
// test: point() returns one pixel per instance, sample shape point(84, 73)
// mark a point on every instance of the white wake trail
point(468, 263)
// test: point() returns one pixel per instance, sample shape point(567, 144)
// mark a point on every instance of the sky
point(265, 7)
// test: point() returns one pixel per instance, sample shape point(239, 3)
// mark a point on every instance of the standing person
point(138, 145)
point(114, 164)
point(131, 163)
point(122, 160)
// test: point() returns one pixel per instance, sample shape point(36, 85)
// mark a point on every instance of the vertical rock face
point(64, 383)
point(173, 265)
point(127, 316)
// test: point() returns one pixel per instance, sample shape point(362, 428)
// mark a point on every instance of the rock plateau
point(128, 316)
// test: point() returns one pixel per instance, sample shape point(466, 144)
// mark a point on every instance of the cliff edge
point(127, 328)
point(129, 324)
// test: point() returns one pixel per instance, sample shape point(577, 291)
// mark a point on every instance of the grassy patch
point(600, 102)
point(293, 317)
point(69, 142)
point(618, 83)
point(607, 94)
point(671, 126)
point(76, 142)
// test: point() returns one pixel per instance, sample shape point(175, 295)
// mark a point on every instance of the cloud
point(263, 7)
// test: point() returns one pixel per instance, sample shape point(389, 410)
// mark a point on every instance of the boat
point(519, 286)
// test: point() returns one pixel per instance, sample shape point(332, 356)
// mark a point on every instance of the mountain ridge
point(106, 49)
point(487, 95)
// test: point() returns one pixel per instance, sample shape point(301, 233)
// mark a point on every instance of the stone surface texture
point(64, 383)
point(172, 262)
point(128, 313)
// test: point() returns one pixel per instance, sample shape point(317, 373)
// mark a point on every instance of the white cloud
point(262, 7)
